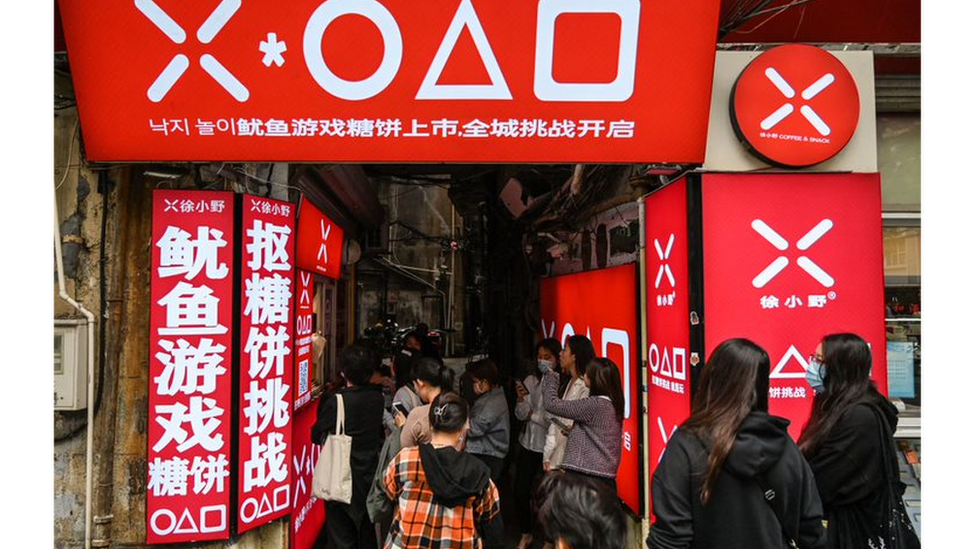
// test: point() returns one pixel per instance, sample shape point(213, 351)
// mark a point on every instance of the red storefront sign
point(307, 511)
point(393, 81)
point(668, 352)
point(267, 290)
point(319, 242)
point(303, 337)
point(190, 350)
point(795, 106)
point(789, 259)
point(602, 305)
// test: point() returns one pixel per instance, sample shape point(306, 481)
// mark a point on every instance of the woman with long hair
point(594, 443)
point(573, 359)
point(849, 443)
point(532, 440)
point(443, 496)
point(731, 476)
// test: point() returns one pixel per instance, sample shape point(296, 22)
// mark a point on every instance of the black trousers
point(344, 531)
point(528, 467)
point(495, 464)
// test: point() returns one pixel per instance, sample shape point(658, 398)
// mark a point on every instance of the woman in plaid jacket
point(443, 497)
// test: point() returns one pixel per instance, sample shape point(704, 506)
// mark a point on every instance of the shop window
point(903, 309)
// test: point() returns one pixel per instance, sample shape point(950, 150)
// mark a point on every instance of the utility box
point(70, 364)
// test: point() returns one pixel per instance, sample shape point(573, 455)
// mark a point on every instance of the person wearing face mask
point(532, 441)
point(849, 443)
point(442, 496)
point(489, 434)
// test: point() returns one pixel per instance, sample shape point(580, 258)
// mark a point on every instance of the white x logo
point(205, 34)
point(786, 109)
point(665, 269)
point(323, 250)
point(664, 436)
point(781, 244)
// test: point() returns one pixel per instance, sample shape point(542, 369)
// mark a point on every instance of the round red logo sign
point(795, 106)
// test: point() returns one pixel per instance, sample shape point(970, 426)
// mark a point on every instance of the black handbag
point(896, 532)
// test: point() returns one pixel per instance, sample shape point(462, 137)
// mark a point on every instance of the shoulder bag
point(897, 531)
point(332, 480)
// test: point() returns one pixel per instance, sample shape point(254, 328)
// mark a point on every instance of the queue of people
point(427, 468)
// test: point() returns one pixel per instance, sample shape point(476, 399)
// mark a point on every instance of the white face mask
point(545, 365)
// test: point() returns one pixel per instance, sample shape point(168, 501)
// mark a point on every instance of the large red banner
point(789, 259)
point(602, 305)
point(668, 312)
point(266, 372)
point(319, 242)
point(190, 342)
point(304, 313)
point(307, 511)
point(393, 80)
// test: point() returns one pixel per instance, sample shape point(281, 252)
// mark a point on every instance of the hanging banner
point(788, 259)
point(602, 305)
point(319, 242)
point(307, 511)
point(668, 352)
point(190, 357)
point(266, 371)
point(499, 81)
point(304, 325)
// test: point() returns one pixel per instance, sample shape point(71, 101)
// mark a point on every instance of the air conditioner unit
point(70, 364)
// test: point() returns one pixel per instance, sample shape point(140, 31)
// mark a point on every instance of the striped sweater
point(593, 446)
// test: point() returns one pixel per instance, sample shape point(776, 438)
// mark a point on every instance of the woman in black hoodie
point(849, 442)
point(731, 476)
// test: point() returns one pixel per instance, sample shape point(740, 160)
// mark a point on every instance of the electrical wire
point(71, 148)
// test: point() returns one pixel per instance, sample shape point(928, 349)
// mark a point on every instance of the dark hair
point(581, 511)
point(433, 372)
point(582, 348)
point(357, 363)
point(552, 345)
point(415, 334)
point(485, 369)
point(448, 413)
point(847, 380)
point(733, 383)
point(605, 381)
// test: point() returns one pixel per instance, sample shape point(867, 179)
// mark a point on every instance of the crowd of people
point(428, 453)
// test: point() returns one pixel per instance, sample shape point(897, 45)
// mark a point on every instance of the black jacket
point(850, 474)
point(364, 423)
point(737, 515)
point(456, 476)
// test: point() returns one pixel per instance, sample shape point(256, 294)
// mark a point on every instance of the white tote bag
point(332, 480)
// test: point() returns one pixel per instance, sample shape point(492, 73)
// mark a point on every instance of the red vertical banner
point(190, 385)
point(668, 310)
point(267, 289)
point(303, 337)
point(602, 305)
point(789, 259)
point(307, 511)
point(319, 242)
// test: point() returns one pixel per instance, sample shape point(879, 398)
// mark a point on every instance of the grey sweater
point(489, 432)
point(593, 446)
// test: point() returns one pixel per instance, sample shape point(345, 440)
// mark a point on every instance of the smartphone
point(399, 407)
point(518, 383)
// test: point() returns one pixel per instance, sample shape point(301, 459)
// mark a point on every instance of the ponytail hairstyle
point(605, 381)
point(733, 383)
point(448, 413)
point(433, 372)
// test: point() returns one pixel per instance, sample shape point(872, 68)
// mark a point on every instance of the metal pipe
point(91, 362)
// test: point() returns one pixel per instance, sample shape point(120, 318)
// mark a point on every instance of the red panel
point(319, 242)
point(267, 290)
point(304, 295)
point(668, 307)
point(602, 305)
point(190, 349)
point(171, 80)
point(307, 511)
point(789, 259)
